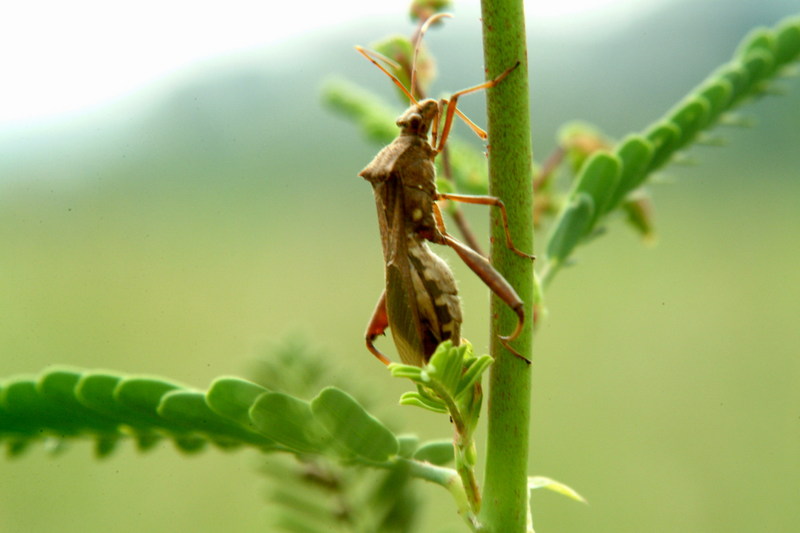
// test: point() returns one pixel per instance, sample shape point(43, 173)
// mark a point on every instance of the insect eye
point(411, 121)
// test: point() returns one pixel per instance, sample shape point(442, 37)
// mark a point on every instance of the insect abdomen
point(436, 296)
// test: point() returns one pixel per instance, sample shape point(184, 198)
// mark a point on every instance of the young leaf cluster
point(451, 383)
point(448, 383)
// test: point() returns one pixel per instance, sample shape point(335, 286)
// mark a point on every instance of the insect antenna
point(373, 57)
point(418, 43)
point(428, 23)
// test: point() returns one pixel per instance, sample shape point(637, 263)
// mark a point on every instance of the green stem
point(448, 479)
point(466, 471)
point(510, 178)
point(464, 448)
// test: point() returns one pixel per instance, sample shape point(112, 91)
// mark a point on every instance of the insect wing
point(401, 305)
point(404, 321)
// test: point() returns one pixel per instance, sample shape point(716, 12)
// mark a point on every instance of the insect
point(420, 302)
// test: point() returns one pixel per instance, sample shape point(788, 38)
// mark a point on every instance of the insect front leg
point(498, 285)
point(490, 201)
point(452, 109)
point(377, 326)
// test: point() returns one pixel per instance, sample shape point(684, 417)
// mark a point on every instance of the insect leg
point(451, 107)
point(491, 201)
point(498, 285)
point(435, 126)
point(377, 326)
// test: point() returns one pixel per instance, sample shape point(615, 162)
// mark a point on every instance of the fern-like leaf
point(602, 186)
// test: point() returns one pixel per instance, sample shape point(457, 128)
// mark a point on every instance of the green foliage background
point(181, 230)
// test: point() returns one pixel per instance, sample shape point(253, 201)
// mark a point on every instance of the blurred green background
point(185, 228)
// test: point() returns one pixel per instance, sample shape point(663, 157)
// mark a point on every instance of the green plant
point(338, 443)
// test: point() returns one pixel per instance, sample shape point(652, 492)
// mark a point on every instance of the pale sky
point(59, 57)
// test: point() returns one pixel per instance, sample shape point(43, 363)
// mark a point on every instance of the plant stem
point(448, 479)
point(505, 500)
point(464, 447)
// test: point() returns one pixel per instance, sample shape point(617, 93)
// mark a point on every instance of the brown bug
point(420, 303)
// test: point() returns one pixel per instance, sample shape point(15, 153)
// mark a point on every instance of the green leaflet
point(371, 114)
point(27, 411)
point(759, 65)
point(96, 391)
point(59, 385)
point(407, 445)
point(541, 482)
point(232, 398)
point(143, 395)
point(571, 226)
point(140, 396)
point(737, 76)
point(599, 177)
point(718, 95)
point(437, 452)
point(445, 367)
point(759, 41)
point(474, 369)
point(190, 409)
point(665, 137)
point(289, 421)
point(787, 41)
point(422, 401)
point(352, 427)
point(635, 153)
point(690, 117)
point(32, 408)
point(10, 425)
point(457, 368)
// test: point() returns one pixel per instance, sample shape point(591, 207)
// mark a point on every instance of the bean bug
point(420, 303)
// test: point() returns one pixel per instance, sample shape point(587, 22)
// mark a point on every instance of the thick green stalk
point(505, 491)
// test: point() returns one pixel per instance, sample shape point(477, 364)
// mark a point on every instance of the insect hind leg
point(377, 326)
point(498, 285)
